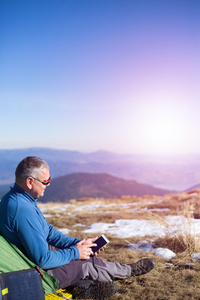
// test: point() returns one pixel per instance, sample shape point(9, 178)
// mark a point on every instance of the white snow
point(196, 256)
point(78, 225)
point(64, 230)
point(164, 253)
point(125, 228)
point(142, 246)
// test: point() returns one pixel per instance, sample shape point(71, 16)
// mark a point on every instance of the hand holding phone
point(101, 242)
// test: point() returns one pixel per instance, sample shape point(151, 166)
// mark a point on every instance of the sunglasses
point(45, 182)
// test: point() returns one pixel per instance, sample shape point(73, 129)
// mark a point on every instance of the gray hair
point(30, 166)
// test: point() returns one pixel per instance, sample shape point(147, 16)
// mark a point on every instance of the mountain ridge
point(172, 173)
point(85, 185)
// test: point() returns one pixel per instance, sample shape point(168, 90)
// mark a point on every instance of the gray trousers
point(94, 269)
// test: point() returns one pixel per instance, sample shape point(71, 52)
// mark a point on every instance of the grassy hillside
point(172, 279)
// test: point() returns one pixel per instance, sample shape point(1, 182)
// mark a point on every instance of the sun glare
point(163, 129)
point(164, 132)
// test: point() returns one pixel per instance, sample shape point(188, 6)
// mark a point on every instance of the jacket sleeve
point(59, 239)
point(35, 235)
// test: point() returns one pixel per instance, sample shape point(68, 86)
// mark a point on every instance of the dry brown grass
point(165, 282)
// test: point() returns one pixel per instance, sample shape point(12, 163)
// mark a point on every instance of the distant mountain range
point(80, 185)
point(195, 187)
point(171, 173)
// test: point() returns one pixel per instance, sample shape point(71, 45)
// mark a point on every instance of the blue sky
point(118, 75)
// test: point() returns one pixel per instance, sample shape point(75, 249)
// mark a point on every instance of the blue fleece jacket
point(22, 222)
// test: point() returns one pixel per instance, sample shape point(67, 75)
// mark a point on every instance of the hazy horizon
point(171, 172)
point(105, 150)
point(122, 76)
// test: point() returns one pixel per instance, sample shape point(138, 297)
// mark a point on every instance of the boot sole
point(101, 290)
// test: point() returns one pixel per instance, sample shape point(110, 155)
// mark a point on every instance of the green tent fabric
point(12, 259)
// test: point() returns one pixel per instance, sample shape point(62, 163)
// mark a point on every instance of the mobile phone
point(101, 242)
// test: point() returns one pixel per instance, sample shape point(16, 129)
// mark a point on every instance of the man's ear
point(29, 182)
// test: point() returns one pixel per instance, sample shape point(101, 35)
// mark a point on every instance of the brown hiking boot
point(100, 290)
point(141, 267)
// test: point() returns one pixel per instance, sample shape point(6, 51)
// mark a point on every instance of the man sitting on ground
point(66, 258)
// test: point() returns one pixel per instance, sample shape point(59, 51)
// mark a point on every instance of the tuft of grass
point(184, 238)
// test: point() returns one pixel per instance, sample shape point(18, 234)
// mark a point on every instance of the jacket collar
point(19, 190)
